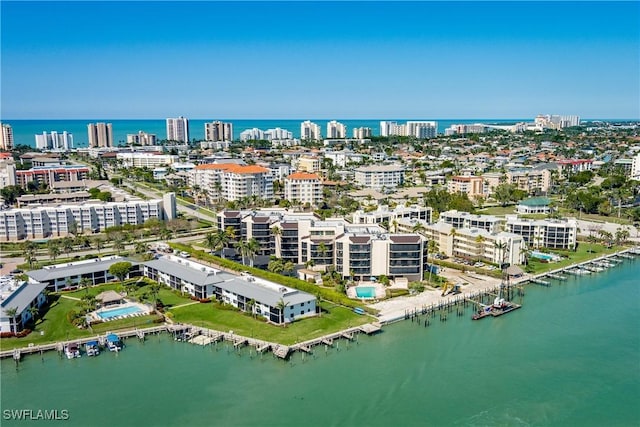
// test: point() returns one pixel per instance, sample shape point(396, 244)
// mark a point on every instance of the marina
point(487, 303)
point(577, 374)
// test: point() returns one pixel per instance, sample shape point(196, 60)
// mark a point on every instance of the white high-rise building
point(178, 129)
point(254, 134)
point(54, 141)
point(218, 131)
point(141, 138)
point(386, 127)
point(6, 137)
point(362, 133)
point(422, 130)
point(277, 133)
point(310, 131)
point(100, 134)
point(336, 130)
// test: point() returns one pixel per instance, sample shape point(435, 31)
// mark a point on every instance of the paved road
point(157, 194)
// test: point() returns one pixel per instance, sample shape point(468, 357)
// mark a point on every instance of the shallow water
point(570, 356)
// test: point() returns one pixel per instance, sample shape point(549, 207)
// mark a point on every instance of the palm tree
point(98, 242)
point(140, 247)
point(118, 244)
point(54, 249)
point(242, 247)
point(30, 258)
point(277, 236)
point(211, 241)
point(34, 311)
point(432, 247)
point(500, 248)
point(418, 227)
point(85, 283)
point(322, 250)
point(480, 250)
point(67, 245)
point(281, 305)
point(253, 247)
point(11, 312)
point(289, 267)
point(251, 304)
point(275, 266)
point(155, 290)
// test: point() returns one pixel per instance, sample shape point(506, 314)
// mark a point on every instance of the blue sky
point(324, 60)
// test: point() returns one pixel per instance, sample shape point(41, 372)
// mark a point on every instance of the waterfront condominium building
point(303, 187)
point(22, 297)
point(100, 135)
point(457, 219)
point(362, 133)
point(475, 244)
point(53, 221)
point(6, 137)
point(310, 131)
point(544, 233)
point(178, 129)
point(635, 167)
point(303, 238)
point(379, 177)
point(336, 130)
point(141, 138)
point(218, 131)
point(54, 141)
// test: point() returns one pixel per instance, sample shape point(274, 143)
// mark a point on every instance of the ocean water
point(24, 131)
point(569, 357)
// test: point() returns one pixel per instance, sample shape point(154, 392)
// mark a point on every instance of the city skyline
point(350, 60)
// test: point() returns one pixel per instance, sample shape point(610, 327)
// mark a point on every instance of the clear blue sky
point(325, 60)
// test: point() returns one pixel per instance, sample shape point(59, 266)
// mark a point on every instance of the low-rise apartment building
point(384, 215)
point(45, 176)
point(545, 233)
point(231, 181)
point(91, 217)
point(380, 177)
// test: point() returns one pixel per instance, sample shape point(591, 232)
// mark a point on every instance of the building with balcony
point(218, 131)
point(546, 233)
point(100, 135)
point(54, 141)
point(178, 129)
point(230, 181)
point(142, 138)
point(336, 130)
point(310, 131)
point(47, 175)
point(457, 219)
point(472, 186)
point(90, 217)
point(384, 215)
point(6, 137)
point(380, 177)
point(304, 188)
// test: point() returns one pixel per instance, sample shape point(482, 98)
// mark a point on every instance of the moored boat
point(72, 350)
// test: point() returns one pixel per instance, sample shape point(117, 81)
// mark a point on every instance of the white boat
point(92, 348)
point(72, 350)
point(114, 343)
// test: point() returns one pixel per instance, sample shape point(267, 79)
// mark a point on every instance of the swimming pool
point(123, 311)
point(544, 256)
point(366, 291)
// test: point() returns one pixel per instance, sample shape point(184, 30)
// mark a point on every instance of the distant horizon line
point(323, 118)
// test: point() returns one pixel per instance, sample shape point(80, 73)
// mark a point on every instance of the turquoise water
point(24, 131)
point(109, 314)
point(569, 357)
point(365, 291)
point(541, 255)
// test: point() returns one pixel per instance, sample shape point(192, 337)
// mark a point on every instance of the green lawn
point(593, 217)
point(497, 210)
point(334, 318)
point(585, 252)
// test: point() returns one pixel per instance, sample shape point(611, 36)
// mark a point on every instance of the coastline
point(390, 311)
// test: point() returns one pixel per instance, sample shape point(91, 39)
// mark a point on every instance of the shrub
point(7, 335)
point(23, 333)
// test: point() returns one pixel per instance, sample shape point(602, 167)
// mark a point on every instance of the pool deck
point(143, 310)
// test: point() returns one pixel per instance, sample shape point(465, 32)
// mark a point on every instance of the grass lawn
point(497, 210)
point(585, 252)
point(56, 327)
point(334, 318)
point(593, 217)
